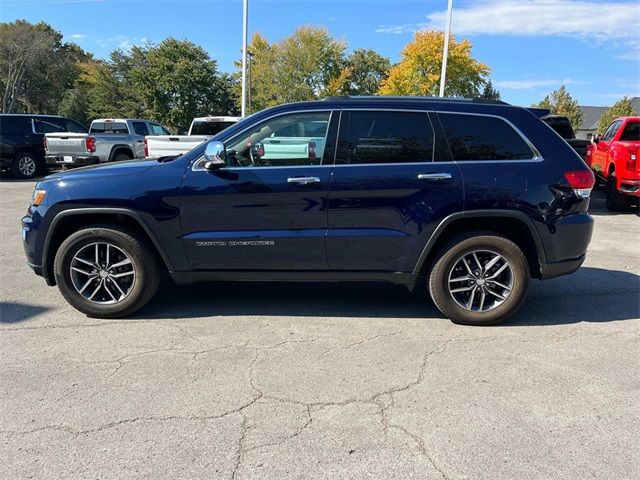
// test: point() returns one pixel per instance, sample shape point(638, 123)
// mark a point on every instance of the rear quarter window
point(483, 138)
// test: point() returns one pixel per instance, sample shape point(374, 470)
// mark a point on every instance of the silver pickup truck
point(108, 140)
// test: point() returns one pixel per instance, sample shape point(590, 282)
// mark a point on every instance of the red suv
point(614, 159)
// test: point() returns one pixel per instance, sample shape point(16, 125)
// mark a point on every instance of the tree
point(560, 102)
point(622, 108)
point(299, 67)
point(490, 93)
point(177, 81)
point(362, 73)
point(36, 67)
point(418, 72)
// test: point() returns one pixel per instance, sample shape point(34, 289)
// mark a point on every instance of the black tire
point(26, 165)
point(144, 263)
point(615, 201)
point(121, 157)
point(447, 264)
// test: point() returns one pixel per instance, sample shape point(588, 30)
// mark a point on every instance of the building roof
point(592, 114)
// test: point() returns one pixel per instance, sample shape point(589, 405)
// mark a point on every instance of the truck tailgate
point(66, 144)
point(168, 145)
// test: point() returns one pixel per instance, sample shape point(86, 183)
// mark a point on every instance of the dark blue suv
point(468, 199)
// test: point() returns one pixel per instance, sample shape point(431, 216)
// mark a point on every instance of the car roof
point(43, 115)
point(217, 119)
point(122, 120)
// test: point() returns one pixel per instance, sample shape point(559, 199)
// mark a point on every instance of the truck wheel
point(615, 201)
point(479, 279)
point(25, 165)
point(106, 271)
point(121, 157)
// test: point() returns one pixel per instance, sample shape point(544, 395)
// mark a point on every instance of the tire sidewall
point(79, 240)
point(439, 279)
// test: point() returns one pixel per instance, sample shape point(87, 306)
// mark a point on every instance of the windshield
point(209, 128)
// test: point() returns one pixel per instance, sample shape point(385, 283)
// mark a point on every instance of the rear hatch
point(65, 144)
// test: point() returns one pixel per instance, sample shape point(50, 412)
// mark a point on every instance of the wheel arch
point(72, 220)
point(120, 148)
point(513, 225)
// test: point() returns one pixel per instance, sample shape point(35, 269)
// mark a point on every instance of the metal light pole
point(245, 21)
point(445, 53)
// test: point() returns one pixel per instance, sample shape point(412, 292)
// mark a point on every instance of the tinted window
point(140, 128)
point(631, 132)
point(264, 144)
point(479, 137)
point(561, 125)
point(611, 131)
point(15, 125)
point(48, 125)
point(209, 128)
point(108, 127)
point(73, 127)
point(385, 137)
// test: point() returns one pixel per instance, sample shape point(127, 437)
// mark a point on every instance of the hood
point(129, 167)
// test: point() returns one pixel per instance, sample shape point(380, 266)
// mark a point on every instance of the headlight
point(38, 197)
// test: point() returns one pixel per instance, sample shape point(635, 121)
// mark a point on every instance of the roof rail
point(347, 98)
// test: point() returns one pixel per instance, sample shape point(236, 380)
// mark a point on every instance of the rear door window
point(48, 125)
point(73, 127)
point(483, 138)
point(631, 132)
point(140, 128)
point(385, 137)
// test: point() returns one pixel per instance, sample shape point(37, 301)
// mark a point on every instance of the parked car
point(562, 126)
point(21, 137)
point(614, 159)
point(202, 129)
point(108, 140)
point(447, 195)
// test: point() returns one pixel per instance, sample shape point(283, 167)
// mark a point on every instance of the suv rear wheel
point(106, 271)
point(25, 165)
point(479, 279)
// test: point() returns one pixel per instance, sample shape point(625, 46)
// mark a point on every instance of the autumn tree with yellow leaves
point(418, 72)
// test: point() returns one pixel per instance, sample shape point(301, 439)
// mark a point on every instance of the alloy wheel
point(102, 273)
point(27, 166)
point(481, 280)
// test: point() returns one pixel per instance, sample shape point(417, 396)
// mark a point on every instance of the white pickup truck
point(202, 129)
point(108, 140)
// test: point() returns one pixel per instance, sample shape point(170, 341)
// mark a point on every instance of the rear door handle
point(434, 176)
point(303, 180)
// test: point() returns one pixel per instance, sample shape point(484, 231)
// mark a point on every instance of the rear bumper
point(629, 186)
point(564, 267)
point(75, 161)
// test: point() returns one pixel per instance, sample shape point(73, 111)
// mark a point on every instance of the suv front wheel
point(479, 279)
point(106, 271)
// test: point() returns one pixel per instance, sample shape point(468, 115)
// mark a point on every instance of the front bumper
point(629, 187)
point(71, 161)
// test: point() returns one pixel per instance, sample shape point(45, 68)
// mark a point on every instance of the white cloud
point(78, 36)
point(122, 42)
point(532, 83)
point(568, 18)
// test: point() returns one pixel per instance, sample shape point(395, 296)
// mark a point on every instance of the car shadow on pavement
point(589, 295)
point(17, 312)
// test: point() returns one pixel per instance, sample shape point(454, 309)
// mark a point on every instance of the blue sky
point(532, 46)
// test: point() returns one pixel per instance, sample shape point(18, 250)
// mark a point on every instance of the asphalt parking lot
point(323, 381)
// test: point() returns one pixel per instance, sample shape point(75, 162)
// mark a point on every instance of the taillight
point(45, 144)
point(90, 143)
point(312, 149)
point(581, 181)
point(632, 161)
point(146, 148)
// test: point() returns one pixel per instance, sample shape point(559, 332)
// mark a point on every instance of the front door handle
point(303, 180)
point(434, 176)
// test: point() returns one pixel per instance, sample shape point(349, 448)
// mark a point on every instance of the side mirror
point(214, 155)
point(595, 139)
point(258, 150)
